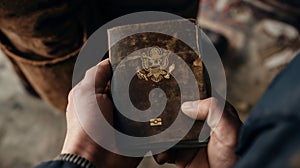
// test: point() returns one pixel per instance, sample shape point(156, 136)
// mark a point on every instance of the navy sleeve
point(270, 136)
point(57, 164)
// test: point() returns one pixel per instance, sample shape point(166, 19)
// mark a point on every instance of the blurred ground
point(259, 46)
point(30, 130)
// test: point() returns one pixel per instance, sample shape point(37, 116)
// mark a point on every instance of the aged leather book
point(150, 60)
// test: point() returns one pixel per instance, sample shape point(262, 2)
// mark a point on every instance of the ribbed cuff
point(76, 159)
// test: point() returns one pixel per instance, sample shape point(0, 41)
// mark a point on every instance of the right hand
point(223, 138)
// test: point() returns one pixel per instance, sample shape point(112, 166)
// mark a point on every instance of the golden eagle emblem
point(155, 65)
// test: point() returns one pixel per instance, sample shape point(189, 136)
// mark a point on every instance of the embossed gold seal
point(155, 65)
point(155, 122)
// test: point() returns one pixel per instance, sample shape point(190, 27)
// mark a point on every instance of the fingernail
point(189, 107)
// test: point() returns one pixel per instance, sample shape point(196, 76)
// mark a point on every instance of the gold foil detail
point(155, 122)
point(198, 62)
point(154, 65)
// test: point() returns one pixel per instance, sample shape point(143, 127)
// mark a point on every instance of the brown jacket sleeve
point(42, 38)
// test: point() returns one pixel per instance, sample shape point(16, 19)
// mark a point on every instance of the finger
point(209, 109)
point(88, 81)
point(102, 78)
point(227, 130)
point(165, 157)
point(224, 122)
point(215, 112)
point(161, 158)
point(70, 101)
point(97, 77)
point(219, 153)
point(200, 160)
point(83, 94)
point(197, 110)
point(103, 75)
point(185, 157)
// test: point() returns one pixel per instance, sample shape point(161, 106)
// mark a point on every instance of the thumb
point(197, 110)
point(209, 109)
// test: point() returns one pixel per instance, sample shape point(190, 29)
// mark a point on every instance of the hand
point(223, 137)
point(77, 141)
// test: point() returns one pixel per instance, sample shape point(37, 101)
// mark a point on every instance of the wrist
point(75, 159)
point(85, 147)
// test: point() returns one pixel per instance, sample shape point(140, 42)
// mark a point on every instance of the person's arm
point(77, 141)
point(67, 161)
point(270, 136)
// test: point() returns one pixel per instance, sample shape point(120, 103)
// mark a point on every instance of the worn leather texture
point(147, 54)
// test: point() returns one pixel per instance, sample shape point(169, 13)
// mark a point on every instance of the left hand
point(77, 141)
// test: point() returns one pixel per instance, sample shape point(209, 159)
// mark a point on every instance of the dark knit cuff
point(76, 159)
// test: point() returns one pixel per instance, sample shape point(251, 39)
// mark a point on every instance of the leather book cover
point(150, 60)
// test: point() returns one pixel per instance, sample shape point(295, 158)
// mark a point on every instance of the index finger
point(103, 75)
